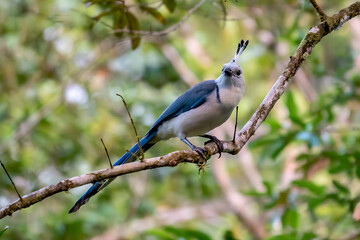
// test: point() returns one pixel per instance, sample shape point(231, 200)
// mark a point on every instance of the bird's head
point(231, 70)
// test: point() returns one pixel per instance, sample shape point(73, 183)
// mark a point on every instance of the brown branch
point(169, 160)
point(305, 48)
point(321, 13)
point(11, 180)
point(173, 159)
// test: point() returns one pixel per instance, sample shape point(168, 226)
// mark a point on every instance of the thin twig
point(107, 154)
point(11, 180)
point(132, 154)
point(321, 13)
point(236, 123)
point(166, 31)
point(133, 125)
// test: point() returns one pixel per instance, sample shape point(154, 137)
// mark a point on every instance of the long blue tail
point(145, 143)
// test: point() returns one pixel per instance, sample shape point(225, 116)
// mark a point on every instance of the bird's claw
point(201, 151)
point(217, 142)
point(201, 162)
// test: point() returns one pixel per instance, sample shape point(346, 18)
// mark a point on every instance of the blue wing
point(192, 98)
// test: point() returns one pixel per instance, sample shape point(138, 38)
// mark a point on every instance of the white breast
point(231, 96)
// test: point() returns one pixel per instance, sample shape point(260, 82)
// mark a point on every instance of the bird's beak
point(228, 72)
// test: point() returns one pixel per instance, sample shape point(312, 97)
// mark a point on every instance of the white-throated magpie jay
point(202, 108)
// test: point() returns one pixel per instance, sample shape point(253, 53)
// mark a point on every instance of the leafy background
point(63, 62)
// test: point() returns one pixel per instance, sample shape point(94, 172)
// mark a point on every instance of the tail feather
point(130, 156)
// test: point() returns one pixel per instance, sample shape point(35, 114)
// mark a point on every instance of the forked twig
point(11, 180)
point(133, 125)
point(107, 154)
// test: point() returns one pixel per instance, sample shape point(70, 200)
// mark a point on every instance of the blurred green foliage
point(3, 231)
point(63, 62)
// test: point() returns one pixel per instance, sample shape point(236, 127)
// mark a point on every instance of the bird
point(200, 109)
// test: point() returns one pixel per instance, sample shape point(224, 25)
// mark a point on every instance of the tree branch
point(173, 159)
point(305, 48)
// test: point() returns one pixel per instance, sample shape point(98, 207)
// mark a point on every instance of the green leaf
point(170, 5)
point(277, 147)
point(357, 171)
point(341, 187)
point(269, 188)
point(291, 236)
point(160, 234)
point(119, 21)
point(291, 218)
point(339, 162)
point(274, 124)
point(134, 25)
point(153, 12)
point(254, 193)
point(316, 201)
point(357, 155)
point(312, 187)
point(308, 236)
point(135, 42)
point(293, 109)
point(2, 231)
point(229, 235)
point(188, 233)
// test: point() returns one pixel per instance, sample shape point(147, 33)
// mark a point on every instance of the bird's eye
point(238, 72)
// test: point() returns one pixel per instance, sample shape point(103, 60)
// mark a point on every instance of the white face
point(231, 69)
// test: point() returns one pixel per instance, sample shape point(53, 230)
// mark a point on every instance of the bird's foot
point(217, 142)
point(201, 151)
point(201, 165)
point(202, 161)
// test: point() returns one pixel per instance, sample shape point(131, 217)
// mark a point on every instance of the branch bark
point(305, 48)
